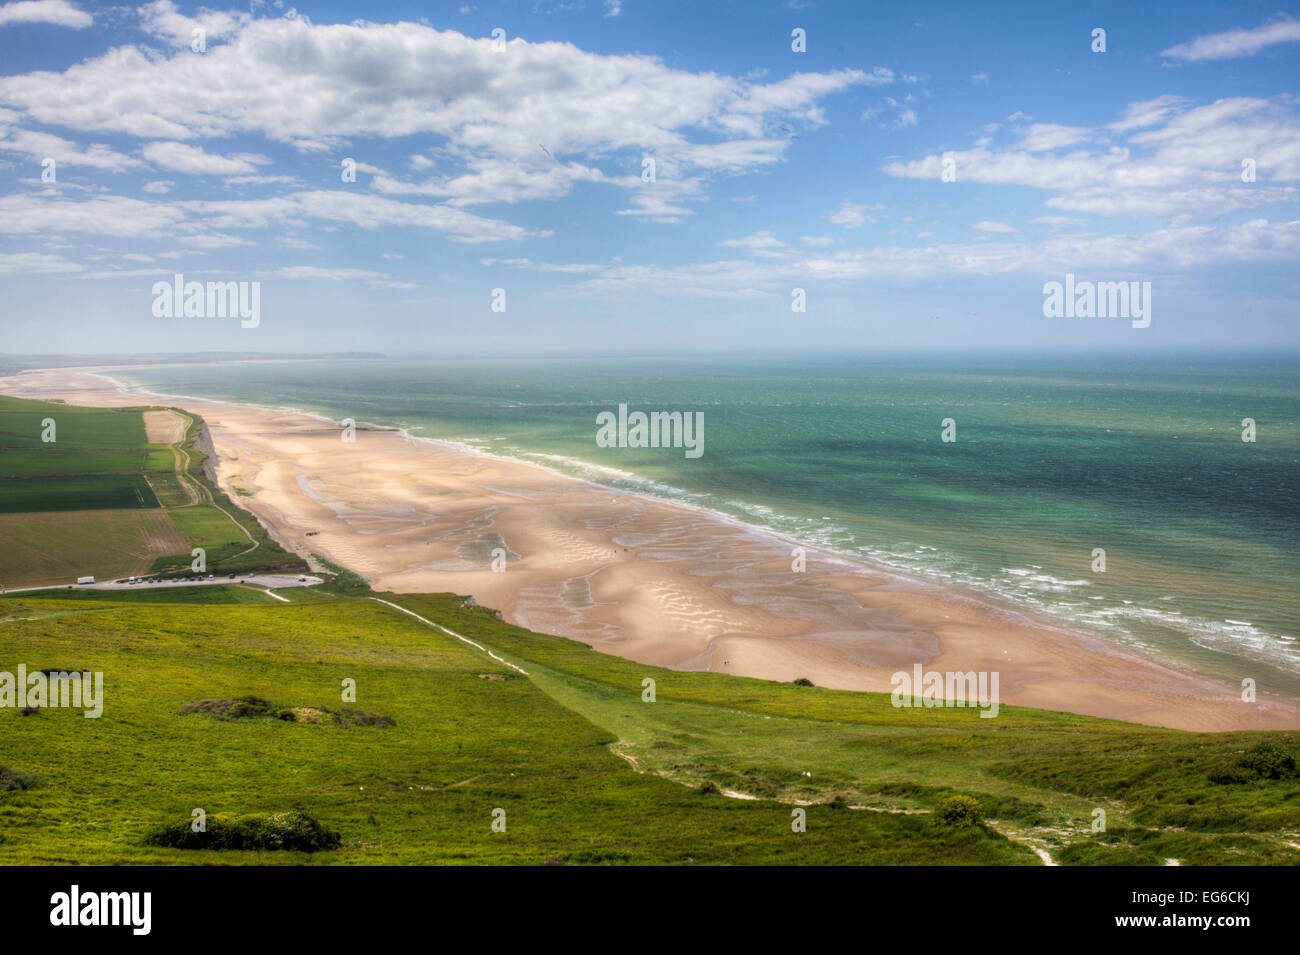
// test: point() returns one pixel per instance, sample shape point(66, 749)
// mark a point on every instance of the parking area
point(269, 581)
point(266, 581)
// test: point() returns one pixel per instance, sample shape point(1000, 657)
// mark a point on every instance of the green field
point(101, 463)
point(232, 539)
point(95, 460)
point(88, 428)
point(585, 771)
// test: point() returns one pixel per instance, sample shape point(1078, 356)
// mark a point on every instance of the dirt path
point(171, 427)
point(450, 633)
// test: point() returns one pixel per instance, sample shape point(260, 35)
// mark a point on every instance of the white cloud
point(763, 244)
point(104, 215)
point(979, 78)
point(213, 241)
point(195, 220)
point(1186, 169)
point(359, 209)
point(489, 111)
point(161, 19)
point(35, 263)
point(1232, 44)
point(613, 8)
point(58, 12)
point(39, 145)
point(395, 80)
point(158, 186)
point(292, 242)
point(193, 161)
point(997, 227)
point(850, 216)
point(1168, 251)
point(1043, 137)
point(1150, 112)
point(906, 118)
point(492, 180)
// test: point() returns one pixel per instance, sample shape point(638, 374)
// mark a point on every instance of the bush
point(242, 708)
point(1226, 774)
point(347, 717)
point(1268, 761)
point(804, 681)
point(957, 812)
point(11, 779)
point(1262, 761)
point(295, 830)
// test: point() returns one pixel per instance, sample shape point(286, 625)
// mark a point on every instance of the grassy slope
point(422, 791)
point(1040, 774)
point(545, 748)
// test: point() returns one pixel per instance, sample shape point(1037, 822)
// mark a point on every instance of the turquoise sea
point(1053, 458)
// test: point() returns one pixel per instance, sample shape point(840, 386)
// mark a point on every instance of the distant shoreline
point(649, 579)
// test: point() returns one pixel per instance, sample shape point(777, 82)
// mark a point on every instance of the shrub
point(242, 708)
point(1262, 761)
point(804, 681)
point(11, 779)
point(347, 717)
point(295, 830)
point(958, 812)
point(1228, 773)
point(1268, 761)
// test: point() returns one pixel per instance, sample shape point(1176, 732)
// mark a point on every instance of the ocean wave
point(1030, 587)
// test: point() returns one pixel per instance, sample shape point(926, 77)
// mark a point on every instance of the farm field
point(52, 546)
point(116, 492)
point(586, 771)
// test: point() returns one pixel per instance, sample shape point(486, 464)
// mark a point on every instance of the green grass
point(21, 426)
point(95, 461)
point(206, 594)
point(232, 539)
point(52, 460)
point(101, 461)
point(422, 791)
point(554, 750)
point(75, 493)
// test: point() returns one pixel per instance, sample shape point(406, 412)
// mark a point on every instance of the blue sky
point(522, 169)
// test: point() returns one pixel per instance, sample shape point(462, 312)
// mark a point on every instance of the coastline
point(660, 582)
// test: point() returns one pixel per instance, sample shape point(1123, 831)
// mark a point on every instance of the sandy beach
point(648, 580)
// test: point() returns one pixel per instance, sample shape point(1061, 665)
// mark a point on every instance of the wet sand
point(646, 579)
